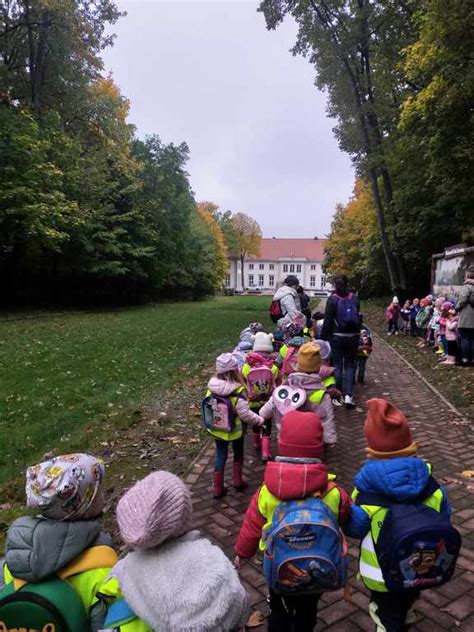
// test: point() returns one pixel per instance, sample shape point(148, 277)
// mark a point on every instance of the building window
point(322, 282)
point(227, 280)
point(292, 267)
point(250, 266)
point(271, 281)
point(312, 281)
point(250, 280)
point(313, 266)
point(285, 267)
point(261, 280)
point(261, 266)
point(271, 266)
point(298, 267)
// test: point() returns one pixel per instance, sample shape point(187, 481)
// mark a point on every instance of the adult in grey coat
point(465, 309)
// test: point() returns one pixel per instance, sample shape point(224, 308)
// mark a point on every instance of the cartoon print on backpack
point(426, 566)
point(287, 398)
point(49, 627)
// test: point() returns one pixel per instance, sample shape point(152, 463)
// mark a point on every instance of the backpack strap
point(381, 500)
point(94, 557)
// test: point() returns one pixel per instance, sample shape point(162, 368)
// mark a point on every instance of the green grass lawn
point(64, 378)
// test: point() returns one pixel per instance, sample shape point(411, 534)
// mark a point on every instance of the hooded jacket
point(311, 383)
point(287, 479)
point(37, 548)
point(224, 388)
point(289, 302)
point(465, 305)
point(401, 479)
point(185, 585)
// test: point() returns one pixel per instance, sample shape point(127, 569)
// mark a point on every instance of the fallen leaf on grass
point(255, 620)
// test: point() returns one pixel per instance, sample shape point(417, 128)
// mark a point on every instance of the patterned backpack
point(305, 552)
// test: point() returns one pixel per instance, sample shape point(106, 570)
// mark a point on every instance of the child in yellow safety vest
point(227, 386)
point(62, 555)
point(260, 374)
point(393, 476)
point(297, 473)
point(172, 579)
point(306, 378)
point(327, 372)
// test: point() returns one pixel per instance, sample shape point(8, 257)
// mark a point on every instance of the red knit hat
point(301, 435)
point(387, 432)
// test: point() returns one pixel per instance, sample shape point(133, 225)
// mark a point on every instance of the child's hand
point(260, 422)
point(237, 563)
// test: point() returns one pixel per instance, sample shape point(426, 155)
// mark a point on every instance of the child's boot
point(257, 440)
point(266, 452)
point(219, 489)
point(239, 482)
point(450, 361)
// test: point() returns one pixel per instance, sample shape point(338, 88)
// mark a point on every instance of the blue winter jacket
point(400, 479)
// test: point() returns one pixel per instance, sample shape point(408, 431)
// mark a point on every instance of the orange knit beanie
point(387, 432)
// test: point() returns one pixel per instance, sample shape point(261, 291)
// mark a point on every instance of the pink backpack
point(260, 383)
point(290, 361)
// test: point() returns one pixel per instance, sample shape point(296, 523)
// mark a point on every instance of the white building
point(279, 258)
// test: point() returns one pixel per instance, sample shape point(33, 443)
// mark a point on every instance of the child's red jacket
point(288, 479)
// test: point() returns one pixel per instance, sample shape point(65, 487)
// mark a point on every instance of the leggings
point(222, 450)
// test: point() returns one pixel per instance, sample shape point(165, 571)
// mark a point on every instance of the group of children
point(433, 320)
point(295, 517)
point(61, 573)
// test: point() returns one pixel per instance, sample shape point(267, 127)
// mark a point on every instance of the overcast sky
point(210, 74)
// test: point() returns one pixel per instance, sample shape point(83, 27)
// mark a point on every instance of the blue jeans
point(344, 357)
point(222, 450)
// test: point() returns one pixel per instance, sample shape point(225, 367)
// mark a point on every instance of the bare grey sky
point(209, 73)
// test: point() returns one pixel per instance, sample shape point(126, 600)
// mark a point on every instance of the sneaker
point(349, 401)
point(336, 402)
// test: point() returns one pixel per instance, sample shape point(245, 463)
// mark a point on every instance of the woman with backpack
point(341, 327)
point(225, 410)
point(286, 304)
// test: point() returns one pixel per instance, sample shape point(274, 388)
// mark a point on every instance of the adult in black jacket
point(344, 338)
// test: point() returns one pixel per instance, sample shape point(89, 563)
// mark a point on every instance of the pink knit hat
point(226, 362)
point(155, 509)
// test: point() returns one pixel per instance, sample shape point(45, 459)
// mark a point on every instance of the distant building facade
point(279, 258)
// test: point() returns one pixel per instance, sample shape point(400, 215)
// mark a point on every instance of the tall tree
point(353, 245)
point(248, 239)
point(354, 47)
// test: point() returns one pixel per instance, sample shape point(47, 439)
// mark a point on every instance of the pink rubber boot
point(266, 452)
point(219, 489)
point(239, 482)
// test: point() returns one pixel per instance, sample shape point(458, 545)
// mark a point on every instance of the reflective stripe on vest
point(267, 503)
point(237, 432)
point(369, 567)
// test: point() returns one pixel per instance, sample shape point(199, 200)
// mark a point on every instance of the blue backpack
point(305, 552)
point(417, 546)
point(347, 315)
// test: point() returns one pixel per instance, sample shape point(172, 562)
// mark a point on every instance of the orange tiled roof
point(273, 249)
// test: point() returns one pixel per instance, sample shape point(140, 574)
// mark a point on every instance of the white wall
point(263, 270)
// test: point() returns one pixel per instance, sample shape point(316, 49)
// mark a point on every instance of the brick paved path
point(442, 438)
